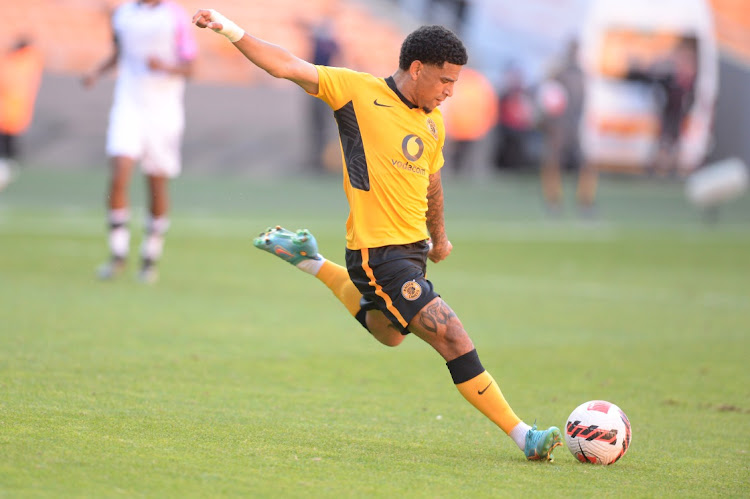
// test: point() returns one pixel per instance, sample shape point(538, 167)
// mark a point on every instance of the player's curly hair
point(433, 45)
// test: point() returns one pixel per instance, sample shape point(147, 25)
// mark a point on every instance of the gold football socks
point(480, 389)
point(337, 279)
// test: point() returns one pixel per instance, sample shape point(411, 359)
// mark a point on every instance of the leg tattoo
point(435, 315)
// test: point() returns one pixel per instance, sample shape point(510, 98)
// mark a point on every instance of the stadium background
point(254, 119)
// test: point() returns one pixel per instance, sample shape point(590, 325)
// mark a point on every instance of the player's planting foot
point(148, 273)
point(541, 443)
point(293, 247)
point(110, 270)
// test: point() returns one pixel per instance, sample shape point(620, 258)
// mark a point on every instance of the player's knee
point(388, 336)
point(456, 336)
point(383, 330)
point(393, 339)
point(453, 341)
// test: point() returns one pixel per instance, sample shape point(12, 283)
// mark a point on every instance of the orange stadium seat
point(732, 18)
point(368, 43)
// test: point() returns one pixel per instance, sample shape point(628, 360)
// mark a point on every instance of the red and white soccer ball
point(598, 432)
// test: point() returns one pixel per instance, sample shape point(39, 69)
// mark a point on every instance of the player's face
point(435, 84)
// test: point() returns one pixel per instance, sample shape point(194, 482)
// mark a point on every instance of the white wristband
point(229, 29)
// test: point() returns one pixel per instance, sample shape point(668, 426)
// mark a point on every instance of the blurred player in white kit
point(154, 50)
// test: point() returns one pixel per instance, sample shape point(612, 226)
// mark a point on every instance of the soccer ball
point(598, 432)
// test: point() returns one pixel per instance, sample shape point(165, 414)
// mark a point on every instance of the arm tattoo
point(435, 315)
point(435, 220)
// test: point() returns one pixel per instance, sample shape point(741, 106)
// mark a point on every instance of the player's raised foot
point(111, 270)
point(293, 247)
point(541, 443)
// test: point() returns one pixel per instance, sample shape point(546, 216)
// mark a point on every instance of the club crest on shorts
point(411, 290)
point(432, 127)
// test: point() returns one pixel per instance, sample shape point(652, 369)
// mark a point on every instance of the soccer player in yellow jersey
point(392, 139)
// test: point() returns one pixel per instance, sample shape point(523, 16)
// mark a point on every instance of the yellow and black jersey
point(389, 149)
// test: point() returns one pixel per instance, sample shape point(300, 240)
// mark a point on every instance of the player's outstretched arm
point(441, 246)
point(275, 60)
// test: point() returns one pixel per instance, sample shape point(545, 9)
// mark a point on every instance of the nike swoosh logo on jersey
point(379, 104)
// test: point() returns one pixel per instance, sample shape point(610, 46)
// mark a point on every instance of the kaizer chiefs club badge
point(432, 127)
point(411, 290)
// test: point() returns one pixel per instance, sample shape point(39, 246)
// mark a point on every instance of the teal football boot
point(541, 443)
point(293, 247)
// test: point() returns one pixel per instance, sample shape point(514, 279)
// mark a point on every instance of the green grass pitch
point(237, 375)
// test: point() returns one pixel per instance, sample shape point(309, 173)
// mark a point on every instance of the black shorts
point(392, 280)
